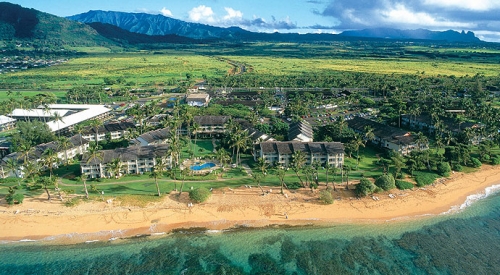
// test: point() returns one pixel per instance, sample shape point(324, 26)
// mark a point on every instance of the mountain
point(123, 36)
point(421, 34)
point(157, 25)
point(21, 23)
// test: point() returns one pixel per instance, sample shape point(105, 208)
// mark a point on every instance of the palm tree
point(347, 169)
point(83, 178)
point(341, 124)
point(46, 182)
point(93, 154)
point(79, 129)
point(25, 150)
point(369, 135)
point(31, 169)
point(356, 143)
point(49, 158)
point(58, 118)
point(14, 167)
point(157, 172)
point(240, 141)
point(96, 123)
point(281, 175)
point(64, 143)
point(194, 130)
point(114, 167)
point(184, 173)
point(298, 161)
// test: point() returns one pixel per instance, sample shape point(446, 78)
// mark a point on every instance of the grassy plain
point(149, 68)
point(4, 94)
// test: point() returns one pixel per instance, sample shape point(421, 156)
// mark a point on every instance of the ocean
point(464, 241)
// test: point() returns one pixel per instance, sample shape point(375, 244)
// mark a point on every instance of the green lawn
point(22, 93)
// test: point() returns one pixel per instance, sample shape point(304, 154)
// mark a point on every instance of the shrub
point(424, 178)
point(325, 197)
point(199, 194)
point(386, 182)
point(294, 185)
point(486, 158)
point(14, 198)
point(444, 169)
point(476, 163)
point(364, 188)
point(402, 185)
point(495, 161)
point(457, 167)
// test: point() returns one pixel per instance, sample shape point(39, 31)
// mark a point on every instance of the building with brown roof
point(280, 153)
point(134, 160)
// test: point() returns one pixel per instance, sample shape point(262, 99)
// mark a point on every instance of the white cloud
point(166, 12)
point(476, 5)
point(401, 15)
point(202, 14)
point(233, 15)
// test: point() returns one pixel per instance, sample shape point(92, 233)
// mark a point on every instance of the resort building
point(160, 136)
point(280, 153)
point(198, 100)
point(209, 125)
point(115, 130)
point(301, 131)
point(254, 134)
point(77, 146)
point(133, 160)
point(387, 137)
point(6, 123)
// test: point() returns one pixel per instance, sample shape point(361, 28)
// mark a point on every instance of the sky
point(305, 16)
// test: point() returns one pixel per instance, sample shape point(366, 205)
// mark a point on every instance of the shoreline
point(230, 209)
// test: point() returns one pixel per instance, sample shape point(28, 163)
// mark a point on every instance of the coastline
point(41, 220)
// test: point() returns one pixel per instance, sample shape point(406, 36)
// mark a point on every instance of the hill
point(18, 23)
point(156, 24)
point(123, 36)
point(421, 34)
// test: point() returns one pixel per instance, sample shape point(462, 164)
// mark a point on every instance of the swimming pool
point(202, 166)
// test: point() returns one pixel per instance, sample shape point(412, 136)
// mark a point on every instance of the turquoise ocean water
point(463, 242)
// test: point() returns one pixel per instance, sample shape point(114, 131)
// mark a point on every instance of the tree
point(364, 188)
point(45, 182)
point(326, 197)
point(347, 170)
point(444, 169)
point(49, 159)
point(31, 133)
point(64, 143)
point(184, 173)
point(114, 167)
point(93, 154)
point(13, 166)
point(158, 169)
point(386, 182)
point(200, 194)
point(298, 161)
point(83, 178)
point(96, 123)
point(281, 175)
point(57, 119)
point(240, 141)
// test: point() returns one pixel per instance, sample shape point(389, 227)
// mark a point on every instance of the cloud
point(233, 17)
point(202, 14)
point(166, 12)
point(477, 15)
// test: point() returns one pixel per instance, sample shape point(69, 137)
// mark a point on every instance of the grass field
point(4, 95)
point(146, 68)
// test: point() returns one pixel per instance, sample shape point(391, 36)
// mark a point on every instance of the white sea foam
point(213, 231)
point(27, 240)
point(92, 241)
point(474, 198)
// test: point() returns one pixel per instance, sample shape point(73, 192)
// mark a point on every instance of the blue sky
point(317, 16)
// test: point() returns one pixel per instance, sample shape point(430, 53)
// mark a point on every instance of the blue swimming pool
point(202, 166)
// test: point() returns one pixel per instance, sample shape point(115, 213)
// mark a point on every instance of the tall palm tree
point(96, 123)
point(357, 142)
point(114, 167)
point(46, 182)
point(184, 173)
point(58, 118)
point(83, 178)
point(341, 123)
point(240, 141)
point(79, 129)
point(281, 171)
point(298, 161)
point(157, 172)
point(63, 143)
point(25, 150)
point(49, 159)
point(13, 166)
point(93, 154)
point(31, 169)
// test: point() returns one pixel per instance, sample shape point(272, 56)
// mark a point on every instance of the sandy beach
point(38, 218)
